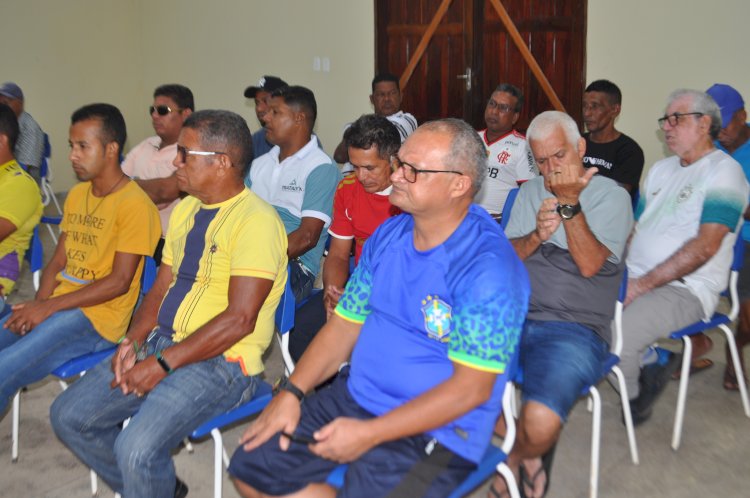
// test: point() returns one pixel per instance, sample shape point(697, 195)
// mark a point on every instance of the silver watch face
point(566, 211)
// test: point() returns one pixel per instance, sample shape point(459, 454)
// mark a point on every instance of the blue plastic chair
point(508, 207)
point(721, 321)
point(284, 324)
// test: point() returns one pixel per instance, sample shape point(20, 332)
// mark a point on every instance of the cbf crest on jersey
point(438, 318)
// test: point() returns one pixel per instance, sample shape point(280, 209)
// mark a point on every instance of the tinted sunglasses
point(161, 110)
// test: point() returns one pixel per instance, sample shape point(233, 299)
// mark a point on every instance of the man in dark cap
point(261, 92)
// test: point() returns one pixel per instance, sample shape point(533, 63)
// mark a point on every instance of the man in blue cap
point(30, 145)
point(734, 139)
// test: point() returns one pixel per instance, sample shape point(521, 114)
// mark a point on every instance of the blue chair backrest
point(149, 275)
point(285, 310)
point(35, 253)
point(508, 207)
point(739, 253)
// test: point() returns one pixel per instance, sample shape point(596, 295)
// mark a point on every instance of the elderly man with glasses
point(150, 162)
point(194, 347)
point(680, 252)
point(509, 160)
point(570, 228)
point(431, 318)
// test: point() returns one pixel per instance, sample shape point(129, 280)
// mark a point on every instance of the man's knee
point(245, 490)
point(538, 425)
point(136, 449)
point(64, 417)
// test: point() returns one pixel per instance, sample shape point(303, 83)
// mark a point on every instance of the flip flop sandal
point(546, 467)
point(696, 366)
point(499, 494)
point(730, 380)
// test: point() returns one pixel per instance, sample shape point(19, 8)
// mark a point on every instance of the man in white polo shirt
point(298, 179)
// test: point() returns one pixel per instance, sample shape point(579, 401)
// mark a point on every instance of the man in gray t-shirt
point(570, 228)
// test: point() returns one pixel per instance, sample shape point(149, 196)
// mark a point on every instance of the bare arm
point(329, 349)
point(246, 297)
point(588, 253)
point(336, 272)
point(30, 314)
point(143, 322)
point(345, 439)
point(341, 154)
point(691, 256)
point(6, 228)
point(547, 221)
point(161, 190)
point(305, 237)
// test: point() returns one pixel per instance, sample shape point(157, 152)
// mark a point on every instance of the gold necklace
point(103, 197)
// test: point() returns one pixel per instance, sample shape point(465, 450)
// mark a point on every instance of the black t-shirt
point(620, 159)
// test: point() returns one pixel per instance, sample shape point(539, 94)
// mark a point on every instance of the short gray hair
point(467, 153)
point(547, 122)
point(702, 103)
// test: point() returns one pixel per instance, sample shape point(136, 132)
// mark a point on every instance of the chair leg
point(510, 480)
point(737, 367)
point(14, 429)
point(596, 422)
point(218, 452)
point(94, 483)
point(687, 354)
point(626, 413)
point(188, 445)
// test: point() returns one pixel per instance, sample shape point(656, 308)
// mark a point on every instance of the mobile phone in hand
point(299, 438)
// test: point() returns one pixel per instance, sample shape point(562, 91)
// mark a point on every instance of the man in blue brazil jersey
point(431, 318)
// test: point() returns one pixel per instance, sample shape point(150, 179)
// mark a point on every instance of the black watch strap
point(567, 211)
point(284, 384)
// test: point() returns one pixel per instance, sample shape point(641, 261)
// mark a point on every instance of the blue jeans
point(30, 358)
point(558, 360)
point(136, 461)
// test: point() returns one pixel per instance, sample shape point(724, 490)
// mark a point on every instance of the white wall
point(73, 52)
point(68, 53)
point(650, 48)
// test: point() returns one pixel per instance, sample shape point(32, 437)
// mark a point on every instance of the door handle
point(466, 77)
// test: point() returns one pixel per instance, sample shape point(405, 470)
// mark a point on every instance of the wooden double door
point(471, 52)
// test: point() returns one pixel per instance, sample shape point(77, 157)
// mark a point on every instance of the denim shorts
point(558, 360)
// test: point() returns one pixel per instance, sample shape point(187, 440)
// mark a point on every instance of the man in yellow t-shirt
point(90, 286)
point(20, 207)
point(194, 348)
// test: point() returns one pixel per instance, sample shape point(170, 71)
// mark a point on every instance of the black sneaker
point(654, 378)
point(180, 489)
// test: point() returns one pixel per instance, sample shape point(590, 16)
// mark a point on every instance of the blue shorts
point(558, 360)
point(375, 473)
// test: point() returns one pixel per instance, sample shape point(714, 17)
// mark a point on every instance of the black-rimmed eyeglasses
point(183, 152)
point(410, 172)
point(674, 118)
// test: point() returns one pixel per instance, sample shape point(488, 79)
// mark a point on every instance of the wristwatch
point(284, 384)
point(567, 211)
